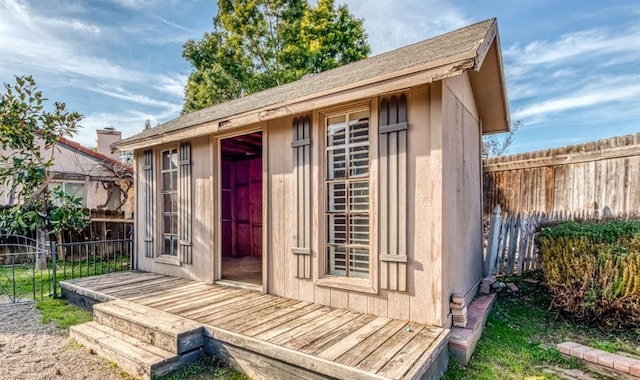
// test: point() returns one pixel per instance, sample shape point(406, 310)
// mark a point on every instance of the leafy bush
point(593, 270)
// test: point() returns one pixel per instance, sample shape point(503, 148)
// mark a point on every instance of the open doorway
point(241, 208)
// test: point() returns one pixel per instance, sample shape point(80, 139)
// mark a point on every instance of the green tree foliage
point(258, 44)
point(28, 134)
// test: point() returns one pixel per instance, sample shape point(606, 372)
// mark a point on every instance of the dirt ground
point(32, 350)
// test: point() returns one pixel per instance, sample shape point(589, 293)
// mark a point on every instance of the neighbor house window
point(169, 174)
point(347, 186)
point(72, 188)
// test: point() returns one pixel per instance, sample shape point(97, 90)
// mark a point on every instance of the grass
point(29, 281)
point(206, 368)
point(61, 313)
point(521, 334)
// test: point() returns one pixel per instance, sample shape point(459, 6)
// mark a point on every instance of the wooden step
point(132, 355)
point(167, 331)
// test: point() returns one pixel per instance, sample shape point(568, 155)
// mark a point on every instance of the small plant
point(593, 270)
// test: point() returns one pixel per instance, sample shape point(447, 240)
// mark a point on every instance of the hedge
point(593, 270)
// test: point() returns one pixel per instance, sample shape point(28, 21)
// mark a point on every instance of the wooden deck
point(267, 336)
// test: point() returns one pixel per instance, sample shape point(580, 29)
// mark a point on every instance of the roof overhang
point(490, 90)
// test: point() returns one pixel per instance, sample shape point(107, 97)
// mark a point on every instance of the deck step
point(132, 355)
point(167, 331)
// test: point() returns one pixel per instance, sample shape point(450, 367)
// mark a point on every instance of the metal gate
point(25, 271)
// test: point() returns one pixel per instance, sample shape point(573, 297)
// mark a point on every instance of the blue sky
point(572, 67)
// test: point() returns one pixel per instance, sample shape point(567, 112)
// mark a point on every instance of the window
point(169, 174)
point(347, 186)
point(72, 188)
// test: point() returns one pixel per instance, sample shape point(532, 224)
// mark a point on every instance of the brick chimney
point(106, 137)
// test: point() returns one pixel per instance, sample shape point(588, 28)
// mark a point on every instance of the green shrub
point(593, 270)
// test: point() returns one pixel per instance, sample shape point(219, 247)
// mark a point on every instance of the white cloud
point(586, 98)
point(33, 42)
point(120, 93)
point(392, 24)
point(576, 47)
point(172, 84)
point(74, 24)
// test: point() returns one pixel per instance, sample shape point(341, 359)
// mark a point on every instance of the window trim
point(324, 279)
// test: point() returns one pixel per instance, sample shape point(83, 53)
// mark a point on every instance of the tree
point(493, 146)
point(258, 44)
point(28, 134)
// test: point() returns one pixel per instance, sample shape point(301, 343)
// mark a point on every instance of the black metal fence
point(29, 271)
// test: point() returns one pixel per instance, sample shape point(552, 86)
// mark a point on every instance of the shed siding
point(443, 210)
point(419, 302)
point(202, 267)
point(462, 204)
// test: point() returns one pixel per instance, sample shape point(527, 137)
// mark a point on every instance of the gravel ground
point(31, 350)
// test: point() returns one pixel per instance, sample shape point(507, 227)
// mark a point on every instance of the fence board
point(577, 178)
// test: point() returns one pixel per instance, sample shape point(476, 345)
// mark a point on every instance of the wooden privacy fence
point(512, 248)
point(582, 178)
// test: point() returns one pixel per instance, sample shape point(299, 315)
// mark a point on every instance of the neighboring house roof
point(118, 166)
point(428, 61)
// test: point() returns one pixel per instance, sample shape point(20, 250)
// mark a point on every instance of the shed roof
point(434, 59)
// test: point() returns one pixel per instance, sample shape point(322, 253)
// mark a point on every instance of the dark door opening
point(241, 211)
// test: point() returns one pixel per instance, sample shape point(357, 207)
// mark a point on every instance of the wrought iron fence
point(31, 272)
point(22, 275)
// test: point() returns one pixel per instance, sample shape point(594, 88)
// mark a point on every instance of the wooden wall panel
point(597, 176)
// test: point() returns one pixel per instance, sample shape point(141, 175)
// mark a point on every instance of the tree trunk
point(42, 249)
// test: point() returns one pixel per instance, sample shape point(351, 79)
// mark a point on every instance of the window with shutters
point(347, 194)
point(169, 206)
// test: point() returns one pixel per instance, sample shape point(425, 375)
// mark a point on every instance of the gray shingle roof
point(433, 50)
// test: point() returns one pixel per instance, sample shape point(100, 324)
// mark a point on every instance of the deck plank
point(186, 299)
point(102, 278)
point(162, 299)
point(252, 313)
point(333, 352)
point(310, 326)
point(166, 284)
point(198, 303)
point(339, 333)
point(378, 359)
point(146, 298)
point(125, 282)
point(260, 316)
point(409, 354)
point(293, 314)
point(328, 329)
point(368, 346)
point(132, 287)
point(292, 324)
point(236, 310)
point(202, 312)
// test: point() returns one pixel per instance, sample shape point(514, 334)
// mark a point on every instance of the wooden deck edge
point(82, 297)
point(298, 359)
point(433, 363)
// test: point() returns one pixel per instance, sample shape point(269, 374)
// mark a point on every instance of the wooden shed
point(358, 187)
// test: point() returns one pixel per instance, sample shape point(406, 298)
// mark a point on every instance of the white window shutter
point(393, 193)
point(185, 207)
point(301, 145)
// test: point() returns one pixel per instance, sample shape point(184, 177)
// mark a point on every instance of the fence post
point(54, 258)
point(492, 249)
